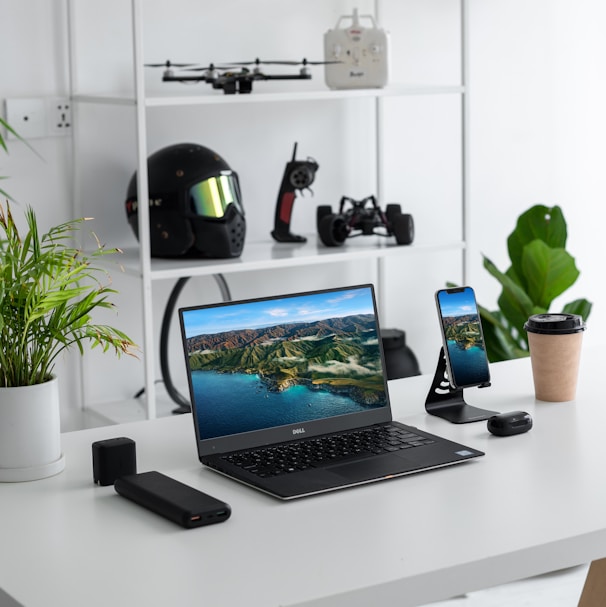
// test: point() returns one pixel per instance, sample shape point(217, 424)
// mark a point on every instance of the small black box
point(113, 458)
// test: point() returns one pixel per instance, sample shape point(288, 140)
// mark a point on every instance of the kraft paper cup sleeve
point(554, 341)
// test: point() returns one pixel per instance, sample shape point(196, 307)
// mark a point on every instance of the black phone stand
point(449, 403)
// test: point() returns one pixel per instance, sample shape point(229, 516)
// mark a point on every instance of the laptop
point(289, 395)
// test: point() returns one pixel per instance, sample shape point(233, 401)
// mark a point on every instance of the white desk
point(535, 503)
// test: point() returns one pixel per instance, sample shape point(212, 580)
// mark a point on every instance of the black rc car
point(363, 218)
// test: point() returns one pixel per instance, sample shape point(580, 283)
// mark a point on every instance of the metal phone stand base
point(449, 403)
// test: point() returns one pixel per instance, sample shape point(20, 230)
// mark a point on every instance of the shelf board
point(194, 97)
point(268, 255)
point(105, 99)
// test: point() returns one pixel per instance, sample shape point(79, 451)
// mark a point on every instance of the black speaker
point(113, 458)
point(400, 360)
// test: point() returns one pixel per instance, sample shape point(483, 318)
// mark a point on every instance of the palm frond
point(48, 292)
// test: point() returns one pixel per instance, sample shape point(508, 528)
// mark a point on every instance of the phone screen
point(463, 339)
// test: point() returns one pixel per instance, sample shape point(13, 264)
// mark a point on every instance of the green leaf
point(538, 223)
point(514, 303)
point(582, 307)
point(48, 290)
point(548, 272)
point(499, 343)
point(10, 129)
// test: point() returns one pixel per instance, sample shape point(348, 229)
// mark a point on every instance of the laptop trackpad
point(372, 468)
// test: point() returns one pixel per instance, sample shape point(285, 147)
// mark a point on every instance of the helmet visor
point(211, 197)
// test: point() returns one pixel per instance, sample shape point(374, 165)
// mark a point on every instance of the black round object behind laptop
point(400, 360)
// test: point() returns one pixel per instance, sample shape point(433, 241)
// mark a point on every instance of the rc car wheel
point(333, 230)
point(322, 211)
point(403, 228)
point(391, 211)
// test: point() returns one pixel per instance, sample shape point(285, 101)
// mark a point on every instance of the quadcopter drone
point(234, 77)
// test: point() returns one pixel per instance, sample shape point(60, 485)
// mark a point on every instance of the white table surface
point(535, 503)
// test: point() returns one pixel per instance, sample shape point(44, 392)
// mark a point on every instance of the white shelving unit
point(265, 254)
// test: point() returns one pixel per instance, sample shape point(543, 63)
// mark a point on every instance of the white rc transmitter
point(359, 55)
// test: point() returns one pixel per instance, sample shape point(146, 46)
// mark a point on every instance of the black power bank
point(173, 500)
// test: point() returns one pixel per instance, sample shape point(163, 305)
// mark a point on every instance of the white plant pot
point(30, 432)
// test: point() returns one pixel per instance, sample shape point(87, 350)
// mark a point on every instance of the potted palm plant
point(48, 292)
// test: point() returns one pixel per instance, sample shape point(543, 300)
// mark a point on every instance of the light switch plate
point(27, 117)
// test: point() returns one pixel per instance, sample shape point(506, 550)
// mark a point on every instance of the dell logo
point(298, 431)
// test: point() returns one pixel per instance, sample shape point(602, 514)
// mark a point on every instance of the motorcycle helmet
point(195, 205)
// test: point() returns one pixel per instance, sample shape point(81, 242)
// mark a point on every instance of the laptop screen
point(264, 363)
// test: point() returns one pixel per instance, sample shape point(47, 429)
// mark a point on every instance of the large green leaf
point(538, 223)
point(494, 347)
point(499, 341)
point(582, 307)
point(514, 303)
point(548, 271)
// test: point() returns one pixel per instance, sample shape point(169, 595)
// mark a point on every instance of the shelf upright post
point(379, 123)
point(74, 172)
point(143, 210)
point(380, 182)
point(465, 197)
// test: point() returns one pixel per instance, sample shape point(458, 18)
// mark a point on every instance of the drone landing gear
point(449, 403)
point(231, 87)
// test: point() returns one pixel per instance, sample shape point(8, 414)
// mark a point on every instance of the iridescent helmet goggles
point(195, 205)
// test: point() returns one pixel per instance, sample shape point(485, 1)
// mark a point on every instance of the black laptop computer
point(289, 395)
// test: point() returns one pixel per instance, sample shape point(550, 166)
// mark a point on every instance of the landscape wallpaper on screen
point(313, 365)
point(462, 329)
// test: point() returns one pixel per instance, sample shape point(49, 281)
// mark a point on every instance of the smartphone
point(462, 337)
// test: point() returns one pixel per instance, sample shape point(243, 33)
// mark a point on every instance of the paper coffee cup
point(554, 341)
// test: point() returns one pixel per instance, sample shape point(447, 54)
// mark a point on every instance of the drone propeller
point(168, 64)
point(210, 68)
point(302, 62)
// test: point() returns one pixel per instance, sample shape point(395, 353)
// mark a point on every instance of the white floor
point(558, 589)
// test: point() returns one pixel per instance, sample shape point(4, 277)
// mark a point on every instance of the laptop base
point(449, 403)
point(427, 453)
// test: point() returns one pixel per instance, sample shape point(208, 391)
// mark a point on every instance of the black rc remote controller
point(298, 175)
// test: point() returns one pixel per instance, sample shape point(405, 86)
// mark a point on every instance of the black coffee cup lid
point(555, 324)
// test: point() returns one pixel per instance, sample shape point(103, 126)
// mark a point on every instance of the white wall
point(537, 133)
point(537, 129)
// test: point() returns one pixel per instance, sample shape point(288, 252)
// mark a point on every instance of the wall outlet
point(39, 117)
point(59, 116)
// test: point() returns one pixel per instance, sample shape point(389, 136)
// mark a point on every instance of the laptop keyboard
point(320, 451)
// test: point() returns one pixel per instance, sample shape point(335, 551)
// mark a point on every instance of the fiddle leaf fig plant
point(541, 270)
point(48, 291)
